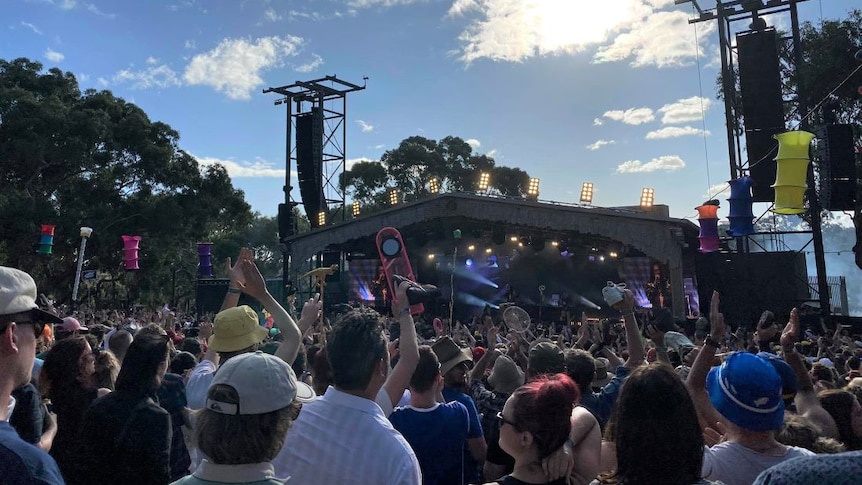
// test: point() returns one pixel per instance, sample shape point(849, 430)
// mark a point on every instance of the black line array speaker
point(762, 106)
point(210, 293)
point(309, 162)
point(335, 291)
point(751, 283)
point(837, 168)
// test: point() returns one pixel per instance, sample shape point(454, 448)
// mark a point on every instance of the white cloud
point(365, 127)
point(32, 27)
point(95, 10)
point(492, 153)
point(152, 60)
point(665, 163)
point(715, 190)
point(310, 66)
point(631, 116)
point(661, 39)
point(151, 77)
point(234, 67)
point(515, 30)
point(54, 56)
point(380, 146)
point(102, 82)
point(378, 3)
point(259, 168)
point(315, 16)
point(271, 15)
point(474, 143)
point(350, 162)
point(675, 132)
point(599, 143)
point(62, 4)
point(685, 110)
point(83, 77)
point(190, 44)
point(598, 122)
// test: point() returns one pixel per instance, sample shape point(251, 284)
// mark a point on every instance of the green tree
point(416, 161)
point(77, 159)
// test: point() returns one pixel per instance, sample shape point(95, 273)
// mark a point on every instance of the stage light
point(430, 256)
point(555, 244)
point(488, 250)
point(321, 218)
point(471, 247)
point(469, 262)
point(533, 188)
point(355, 209)
point(647, 197)
point(613, 254)
point(393, 197)
point(484, 181)
point(520, 244)
point(587, 193)
point(434, 186)
point(513, 239)
point(602, 258)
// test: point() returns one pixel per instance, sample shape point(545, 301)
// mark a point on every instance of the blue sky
point(606, 91)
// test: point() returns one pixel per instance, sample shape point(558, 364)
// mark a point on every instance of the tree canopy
point(417, 161)
point(72, 159)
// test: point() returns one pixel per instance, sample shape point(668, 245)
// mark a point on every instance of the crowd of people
point(354, 396)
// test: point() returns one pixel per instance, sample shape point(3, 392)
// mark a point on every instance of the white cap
point(264, 384)
point(18, 295)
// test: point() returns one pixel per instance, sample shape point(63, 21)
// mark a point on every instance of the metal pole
point(289, 229)
point(813, 201)
point(85, 233)
point(729, 89)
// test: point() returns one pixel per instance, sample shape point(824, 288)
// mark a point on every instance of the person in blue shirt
point(455, 364)
point(436, 431)
point(21, 325)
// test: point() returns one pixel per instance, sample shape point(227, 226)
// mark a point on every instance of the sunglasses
point(38, 327)
point(502, 420)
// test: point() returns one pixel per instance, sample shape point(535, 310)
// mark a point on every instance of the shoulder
point(21, 459)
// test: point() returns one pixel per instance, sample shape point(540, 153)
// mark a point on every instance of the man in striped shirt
point(344, 437)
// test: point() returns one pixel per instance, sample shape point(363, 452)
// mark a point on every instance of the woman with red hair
point(535, 422)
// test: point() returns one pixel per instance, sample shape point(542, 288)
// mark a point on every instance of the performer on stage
point(658, 288)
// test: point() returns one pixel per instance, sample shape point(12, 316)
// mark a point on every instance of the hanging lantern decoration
point(205, 260)
point(707, 216)
point(46, 239)
point(130, 252)
point(791, 176)
point(741, 215)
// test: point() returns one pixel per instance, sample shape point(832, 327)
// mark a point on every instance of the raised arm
point(490, 353)
point(633, 337)
point(807, 403)
point(696, 382)
point(408, 347)
point(236, 279)
point(255, 286)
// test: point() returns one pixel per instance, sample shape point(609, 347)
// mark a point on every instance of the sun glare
point(571, 25)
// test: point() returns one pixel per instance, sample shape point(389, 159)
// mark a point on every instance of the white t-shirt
point(734, 464)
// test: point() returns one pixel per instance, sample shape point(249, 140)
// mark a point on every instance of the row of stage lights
point(587, 188)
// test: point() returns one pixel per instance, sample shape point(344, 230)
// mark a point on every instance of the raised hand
point(791, 331)
point(716, 319)
point(628, 302)
point(234, 271)
point(492, 336)
point(311, 309)
point(254, 284)
point(399, 303)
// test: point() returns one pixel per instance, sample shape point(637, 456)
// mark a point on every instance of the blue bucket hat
point(746, 390)
point(789, 384)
